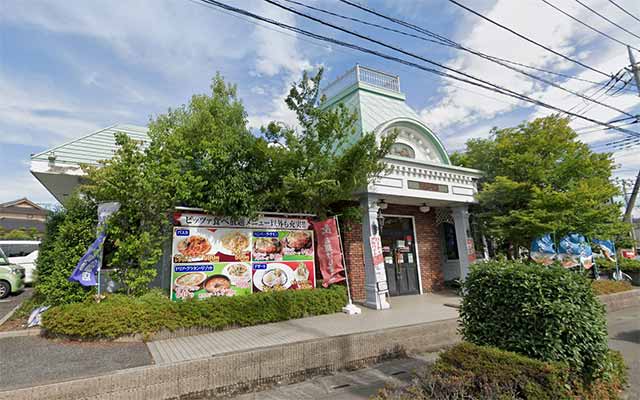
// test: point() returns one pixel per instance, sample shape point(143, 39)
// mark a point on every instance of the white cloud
point(545, 25)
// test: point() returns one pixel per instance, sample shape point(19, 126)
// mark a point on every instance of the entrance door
point(400, 261)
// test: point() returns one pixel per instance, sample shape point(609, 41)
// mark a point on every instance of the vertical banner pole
point(346, 274)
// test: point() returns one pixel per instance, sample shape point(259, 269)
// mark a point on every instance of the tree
point(539, 178)
point(321, 165)
point(203, 155)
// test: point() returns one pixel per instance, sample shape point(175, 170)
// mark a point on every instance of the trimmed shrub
point(546, 313)
point(468, 371)
point(120, 315)
point(69, 233)
point(607, 287)
point(626, 265)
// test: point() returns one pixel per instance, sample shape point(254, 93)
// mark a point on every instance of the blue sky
point(68, 68)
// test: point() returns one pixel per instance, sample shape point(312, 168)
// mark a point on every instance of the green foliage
point(120, 315)
point(547, 313)
point(20, 234)
point(70, 231)
point(468, 371)
point(626, 264)
point(607, 287)
point(324, 162)
point(203, 155)
point(538, 179)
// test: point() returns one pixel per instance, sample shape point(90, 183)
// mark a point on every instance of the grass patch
point(120, 315)
point(601, 287)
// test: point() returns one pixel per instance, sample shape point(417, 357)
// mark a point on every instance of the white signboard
point(206, 220)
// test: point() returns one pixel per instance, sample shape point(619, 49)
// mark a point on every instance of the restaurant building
point(419, 208)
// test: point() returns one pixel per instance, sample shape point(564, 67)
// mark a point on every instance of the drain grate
point(341, 386)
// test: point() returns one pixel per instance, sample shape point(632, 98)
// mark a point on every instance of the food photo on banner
point(574, 251)
point(238, 260)
point(543, 250)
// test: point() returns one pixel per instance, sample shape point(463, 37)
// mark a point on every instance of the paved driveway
point(32, 360)
point(8, 304)
point(624, 335)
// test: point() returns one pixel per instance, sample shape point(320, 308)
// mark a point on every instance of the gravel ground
point(32, 361)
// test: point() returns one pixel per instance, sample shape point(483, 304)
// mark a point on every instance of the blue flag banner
point(574, 250)
point(604, 249)
point(87, 268)
point(543, 250)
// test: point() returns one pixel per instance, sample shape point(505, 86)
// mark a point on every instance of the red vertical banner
point(329, 255)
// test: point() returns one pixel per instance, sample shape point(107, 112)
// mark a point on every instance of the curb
point(9, 314)
point(619, 301)
point(21, 332)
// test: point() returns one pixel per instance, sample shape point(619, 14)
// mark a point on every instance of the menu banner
point(262, 222)
point(223, 261)
point(329, 252)
point(574, 250)
point(543, 250)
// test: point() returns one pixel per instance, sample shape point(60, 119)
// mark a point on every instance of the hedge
point(546, 313)
point(604, 286)
point(468, 371)
point(626, 265)
point(120, 315)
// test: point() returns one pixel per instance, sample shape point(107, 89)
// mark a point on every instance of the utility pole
point(635, 71)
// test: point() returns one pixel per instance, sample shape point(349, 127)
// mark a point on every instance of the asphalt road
point(624, 335)
point(32, 360)
point(8, 304)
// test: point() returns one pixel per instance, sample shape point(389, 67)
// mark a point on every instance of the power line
point(410, 54)
point(362, 49)
point(587, 25)
point(527, 39)
point(437, 39)
point(624, 11)
point(606, 19)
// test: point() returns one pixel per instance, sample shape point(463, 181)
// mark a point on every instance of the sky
point(68, 68)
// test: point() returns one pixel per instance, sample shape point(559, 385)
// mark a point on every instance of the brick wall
point(429, 250)
point(354, 255)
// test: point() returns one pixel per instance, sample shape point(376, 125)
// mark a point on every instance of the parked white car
point(23, 253)
point(28, 262)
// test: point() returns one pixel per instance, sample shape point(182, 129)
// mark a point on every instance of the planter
point(635, 277)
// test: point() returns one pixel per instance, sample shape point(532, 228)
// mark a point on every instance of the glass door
point(400, 261)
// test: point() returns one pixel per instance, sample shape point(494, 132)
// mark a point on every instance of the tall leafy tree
point(323, 162)
point(540, 178)
point(202, 154)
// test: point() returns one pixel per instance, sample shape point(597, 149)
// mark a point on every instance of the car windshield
point(3, 258)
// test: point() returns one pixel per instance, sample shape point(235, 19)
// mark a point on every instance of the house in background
point(22, 214)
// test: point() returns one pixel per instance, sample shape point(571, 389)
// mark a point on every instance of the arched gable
point(413, 133)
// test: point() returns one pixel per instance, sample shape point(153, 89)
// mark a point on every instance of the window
point(402, 150)
point(450, 241)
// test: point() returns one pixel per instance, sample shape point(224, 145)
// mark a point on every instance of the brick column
point(354, 256)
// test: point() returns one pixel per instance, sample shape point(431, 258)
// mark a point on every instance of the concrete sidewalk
point(405, 311)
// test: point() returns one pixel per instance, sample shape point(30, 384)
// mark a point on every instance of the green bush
point(120, 315)
point(69, 233)
point(626, 265)
point(607, 287)
point(468, 371)
point(546, 313)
